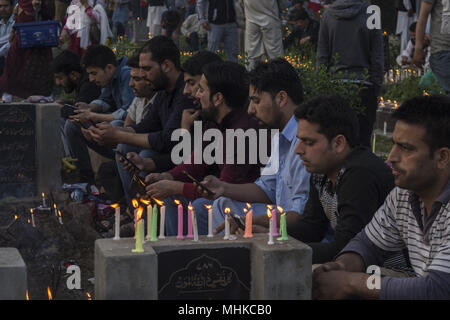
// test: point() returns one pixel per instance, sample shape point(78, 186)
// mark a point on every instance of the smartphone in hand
point(240, 220)
point(128, 160)
point(197, 182)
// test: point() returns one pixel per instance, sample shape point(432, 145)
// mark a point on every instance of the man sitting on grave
point(159, 61)
point(415, 216)
point(348, 182)
point(113, 76)
point(223, 93)
point(405, 58)
point(275, 92)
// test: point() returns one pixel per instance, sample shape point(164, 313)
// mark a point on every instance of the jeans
point(125, 176)
point(226, 33)
point(172, 214)
point(440, 65)
point(78, 148)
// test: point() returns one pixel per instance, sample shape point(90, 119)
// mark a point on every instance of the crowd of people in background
point(346, 203)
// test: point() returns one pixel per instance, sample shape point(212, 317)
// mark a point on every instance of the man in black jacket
point(218, 17)
point(348, 183)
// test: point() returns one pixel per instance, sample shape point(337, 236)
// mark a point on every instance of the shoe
point(7, 98)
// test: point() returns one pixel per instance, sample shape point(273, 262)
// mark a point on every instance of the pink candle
point(189, 234)
point(180, 220)
point(274, 214)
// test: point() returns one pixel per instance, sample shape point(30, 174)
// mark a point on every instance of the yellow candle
point(139, 231)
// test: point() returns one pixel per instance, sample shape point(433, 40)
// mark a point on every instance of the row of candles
point(43, 207)
point(400, 74)
point(152, 222)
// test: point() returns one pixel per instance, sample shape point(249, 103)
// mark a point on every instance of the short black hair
point(99, 56)
point(66, 62)
point(275, 76)
point(194, 65)
point(432, 113)
point(133, 62)
point(334, 116)
point(162, 48)
point(230, 79)
point(412, 27)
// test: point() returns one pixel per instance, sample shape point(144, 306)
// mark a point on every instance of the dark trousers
point(368, 96)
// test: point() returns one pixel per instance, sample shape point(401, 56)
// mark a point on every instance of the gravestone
point(30, 145)
point(13, 275)
point(211, 268)
point(140, 30)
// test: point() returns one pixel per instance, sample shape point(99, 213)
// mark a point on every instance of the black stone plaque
point(206, 274)
point(18, 151)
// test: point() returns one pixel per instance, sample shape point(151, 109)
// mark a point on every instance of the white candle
point(44, 205)
point(32, 218)
point(162, 222)
point(384, 128)
point(59, 217)
point(270, 242)
point(194, 225)
point(117, 221)
point(210, 233)
point(227, 228)
point(149, 222)
point(56, 211)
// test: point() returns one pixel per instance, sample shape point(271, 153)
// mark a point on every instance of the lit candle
point(374, 141)
point(275, 228)
point(154, 223)
point(44, 205)
point(117, 221)
point(210, 233)
point(189, 234)
point(180, 220)
point(227, 224)
point(269, 214)
point(149, 219)
point(56, 211)
point(283, 225)
point(162, 221)
point(139, 231)
point(194, 223)
point(135, 204)
point(59, 217)
point(248, 224)
point(32, 218)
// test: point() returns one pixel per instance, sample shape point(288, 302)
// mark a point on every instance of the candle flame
point(159, 202)
point(114, 205)
point(88, 295)
point(269, 206)
point(177, 202)
point(248, 205)
point(140, 210)
point(54, 205)
point(227, 211)
point(245, 210)
point(208, 206)
point(147, 202)
point(59, 213)
point(15, 217)
point(49, 293)
point(43, 195)
point(269, 214)
point(135, 203)
point(190, 207)
point(27, 296)
point(31, 211)
point(280, 209)
point(28, 220)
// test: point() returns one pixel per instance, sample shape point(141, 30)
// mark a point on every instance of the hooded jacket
point(344, 31)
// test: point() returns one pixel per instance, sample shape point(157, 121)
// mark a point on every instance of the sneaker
point(7, 98)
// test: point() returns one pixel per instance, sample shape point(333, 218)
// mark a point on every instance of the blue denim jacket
point(288, 187)
point(117, 96)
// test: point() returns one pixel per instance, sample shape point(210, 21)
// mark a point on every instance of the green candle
point(139, 231)
point(283, 228)
point(154, 222)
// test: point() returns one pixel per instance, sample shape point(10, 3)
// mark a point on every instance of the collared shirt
point(288, 187)
point(5, 30)
point(402, 223)
point(117, 96)
point(139, 108)
point(164, 117)
point(231, 173)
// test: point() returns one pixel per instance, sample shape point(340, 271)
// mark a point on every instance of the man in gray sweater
point(344, 31)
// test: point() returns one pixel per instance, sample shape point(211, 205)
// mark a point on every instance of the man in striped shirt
point(415, 215)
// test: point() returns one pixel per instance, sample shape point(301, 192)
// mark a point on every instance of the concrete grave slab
point(13, 275)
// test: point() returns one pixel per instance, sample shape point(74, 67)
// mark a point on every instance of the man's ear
point(218, 99)
point(442, 157)
point(166, 66)
point(339, 143)
point(281, 98)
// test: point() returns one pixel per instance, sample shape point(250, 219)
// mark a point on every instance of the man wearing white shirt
point(406, 15)
point(6, 23)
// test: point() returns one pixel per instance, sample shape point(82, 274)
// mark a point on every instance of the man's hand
point(215, 185)
point(164, 189)
point(206, 26)
point(188, 118)
point(418, 58)
point(332, 285)
point(86, 106)
point(304, 40)
point(105, 134)
point(327, 267)
point(155, 177)
point(87, 134)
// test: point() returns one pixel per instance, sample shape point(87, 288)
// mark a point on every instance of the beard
point(209, 114)
point(69, 86)
point(162, 82)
